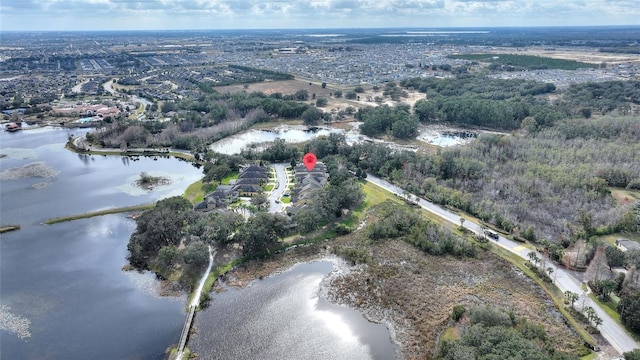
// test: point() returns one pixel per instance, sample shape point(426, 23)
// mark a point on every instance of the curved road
point(610, 330)
point(279, 188)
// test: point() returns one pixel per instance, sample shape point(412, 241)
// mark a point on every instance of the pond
point(287, 317)
point(260, 138)
point(446, 137)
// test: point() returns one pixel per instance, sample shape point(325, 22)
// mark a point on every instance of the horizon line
point(332, 28)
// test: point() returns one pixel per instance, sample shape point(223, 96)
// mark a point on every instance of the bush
point(490, 317)
point(458, 312)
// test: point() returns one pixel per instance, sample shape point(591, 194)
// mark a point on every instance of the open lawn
point(195, 192)
point(625, 196)
point(227, 179)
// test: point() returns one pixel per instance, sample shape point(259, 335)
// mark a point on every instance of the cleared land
point(526, 61)
point(592, 56)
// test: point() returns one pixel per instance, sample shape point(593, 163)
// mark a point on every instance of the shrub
point(458, 312)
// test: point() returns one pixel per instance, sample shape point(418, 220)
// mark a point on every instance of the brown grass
point(416, 292)
point(285, 87)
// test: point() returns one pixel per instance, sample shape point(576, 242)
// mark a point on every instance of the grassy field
point(195, 192)
point(226, 180)
point(624, 196)
point(556, 295)
point(611, 238)
point(100, 213)
point(525, 61)
point(608, 307)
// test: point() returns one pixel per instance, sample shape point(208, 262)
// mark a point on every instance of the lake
point(63, 294)
point(61, 286)
point(286, 317)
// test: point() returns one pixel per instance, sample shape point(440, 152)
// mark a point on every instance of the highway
point(610, 330)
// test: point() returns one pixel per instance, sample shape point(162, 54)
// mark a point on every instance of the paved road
point(610, 330)
point(279, 189)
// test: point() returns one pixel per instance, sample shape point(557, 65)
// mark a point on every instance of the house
point(250, 180)
point(247, 190)
point(627, 245)
point(307, 183)
point(219, 198)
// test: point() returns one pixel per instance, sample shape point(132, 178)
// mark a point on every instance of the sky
point(62, 15)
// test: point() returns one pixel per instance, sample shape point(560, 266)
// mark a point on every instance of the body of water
point(446, 137)
point(286, 317)
point(63, 294)
point(261, 138)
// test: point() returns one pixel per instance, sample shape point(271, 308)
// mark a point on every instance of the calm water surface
point(63, 294)
point(292, 134)
point(285, 317)
point(64, 281)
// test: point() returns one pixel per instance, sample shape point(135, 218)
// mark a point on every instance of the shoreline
point(99, 213)
point(242, 275)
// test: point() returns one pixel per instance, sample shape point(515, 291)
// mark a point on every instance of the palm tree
point(533, 257)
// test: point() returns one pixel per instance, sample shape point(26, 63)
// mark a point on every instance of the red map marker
point(309, 160)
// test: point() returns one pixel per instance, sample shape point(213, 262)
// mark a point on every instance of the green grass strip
point(556, 295)
point(100, 213)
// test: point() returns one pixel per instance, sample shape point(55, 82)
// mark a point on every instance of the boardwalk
point(195, 301)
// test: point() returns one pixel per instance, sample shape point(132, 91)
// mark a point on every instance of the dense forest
point(195, 123)
point(543, 180)
point(490, 333)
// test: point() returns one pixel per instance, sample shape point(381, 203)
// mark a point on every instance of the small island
point(148, 182)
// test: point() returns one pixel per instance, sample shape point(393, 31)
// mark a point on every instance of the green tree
point(259, 235)
point(321, 102)
point(311, 116)
point(260, 201)
point(156, 228)
point(216, 172)
point(632, 355)
point(302, 95)
point(533, 257)
point(571, 297)
point(458, 312)
point(629, 309)
point(196, 254)
point(167, 257)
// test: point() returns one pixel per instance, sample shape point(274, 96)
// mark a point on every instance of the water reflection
point(285, 317)
point(255, 138)
point(446, 137)
point(65, 280)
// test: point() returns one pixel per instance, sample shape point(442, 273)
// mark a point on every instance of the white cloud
point(204, 14)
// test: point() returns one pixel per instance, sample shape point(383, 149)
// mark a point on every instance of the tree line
point(542, 181)
point(491, 333)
